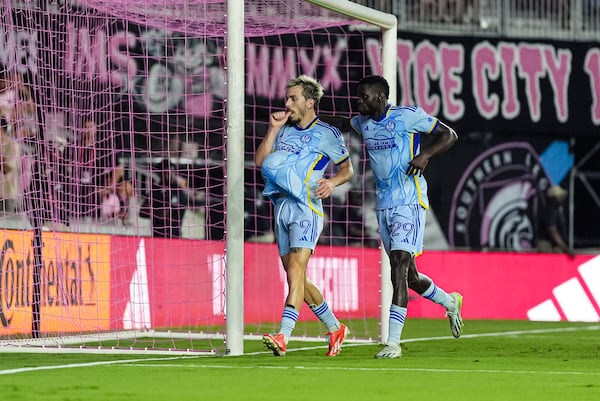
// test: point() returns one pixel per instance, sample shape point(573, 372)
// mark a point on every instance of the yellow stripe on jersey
point(435, 121)
point(415, 177)
point(310, 171)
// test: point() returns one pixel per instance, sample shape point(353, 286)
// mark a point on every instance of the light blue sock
point(397, 317)
point(437, 295)
point(289, 318)
point(325, 314)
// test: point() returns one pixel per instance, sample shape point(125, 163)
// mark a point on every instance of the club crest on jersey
point(390, 125)
point(306, 138)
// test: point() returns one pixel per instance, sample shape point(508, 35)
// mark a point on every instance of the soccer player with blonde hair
point(293, 157)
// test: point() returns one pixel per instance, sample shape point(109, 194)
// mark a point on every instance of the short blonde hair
point(311, 88)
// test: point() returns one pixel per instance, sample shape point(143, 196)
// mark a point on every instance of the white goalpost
point(235, 181)
point(131, 212)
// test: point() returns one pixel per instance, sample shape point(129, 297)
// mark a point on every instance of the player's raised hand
point(279, 118)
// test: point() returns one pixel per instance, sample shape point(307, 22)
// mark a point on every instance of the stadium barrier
point(95, 283)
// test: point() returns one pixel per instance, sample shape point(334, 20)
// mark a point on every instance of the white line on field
point(140, 361)
point(86, 364)
point(345, 368)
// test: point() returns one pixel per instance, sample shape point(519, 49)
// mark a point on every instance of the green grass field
point(493, 360)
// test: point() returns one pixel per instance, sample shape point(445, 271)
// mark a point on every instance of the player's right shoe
point(336, 338)
point(276, 343)
point(391, 350)
point(456, 323)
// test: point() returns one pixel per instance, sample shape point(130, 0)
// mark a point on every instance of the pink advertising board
point(160, 283)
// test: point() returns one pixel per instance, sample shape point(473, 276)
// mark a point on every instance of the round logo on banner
point(495, 203)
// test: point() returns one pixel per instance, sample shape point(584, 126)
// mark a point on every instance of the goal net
point(114, 198)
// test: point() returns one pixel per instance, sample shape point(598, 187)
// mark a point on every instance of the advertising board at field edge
point(92, 283)
point(350, 280)
point(74, 283)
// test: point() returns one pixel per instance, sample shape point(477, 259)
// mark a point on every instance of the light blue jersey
point(299, 159)
point(392, 142)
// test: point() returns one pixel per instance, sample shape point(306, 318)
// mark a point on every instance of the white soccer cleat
point(391, 351)
point(456, 323)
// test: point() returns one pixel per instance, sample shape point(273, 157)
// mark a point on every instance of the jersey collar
point(384, 114)
point(310, 125)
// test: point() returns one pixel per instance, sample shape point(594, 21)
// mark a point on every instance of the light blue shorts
point(296, 226)
point(402, 228)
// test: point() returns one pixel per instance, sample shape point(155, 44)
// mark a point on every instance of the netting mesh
point(209, 17)
point(113, 148)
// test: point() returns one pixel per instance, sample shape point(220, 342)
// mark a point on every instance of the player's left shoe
point(456, 323)
point(336, 338)
point(276, 343)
